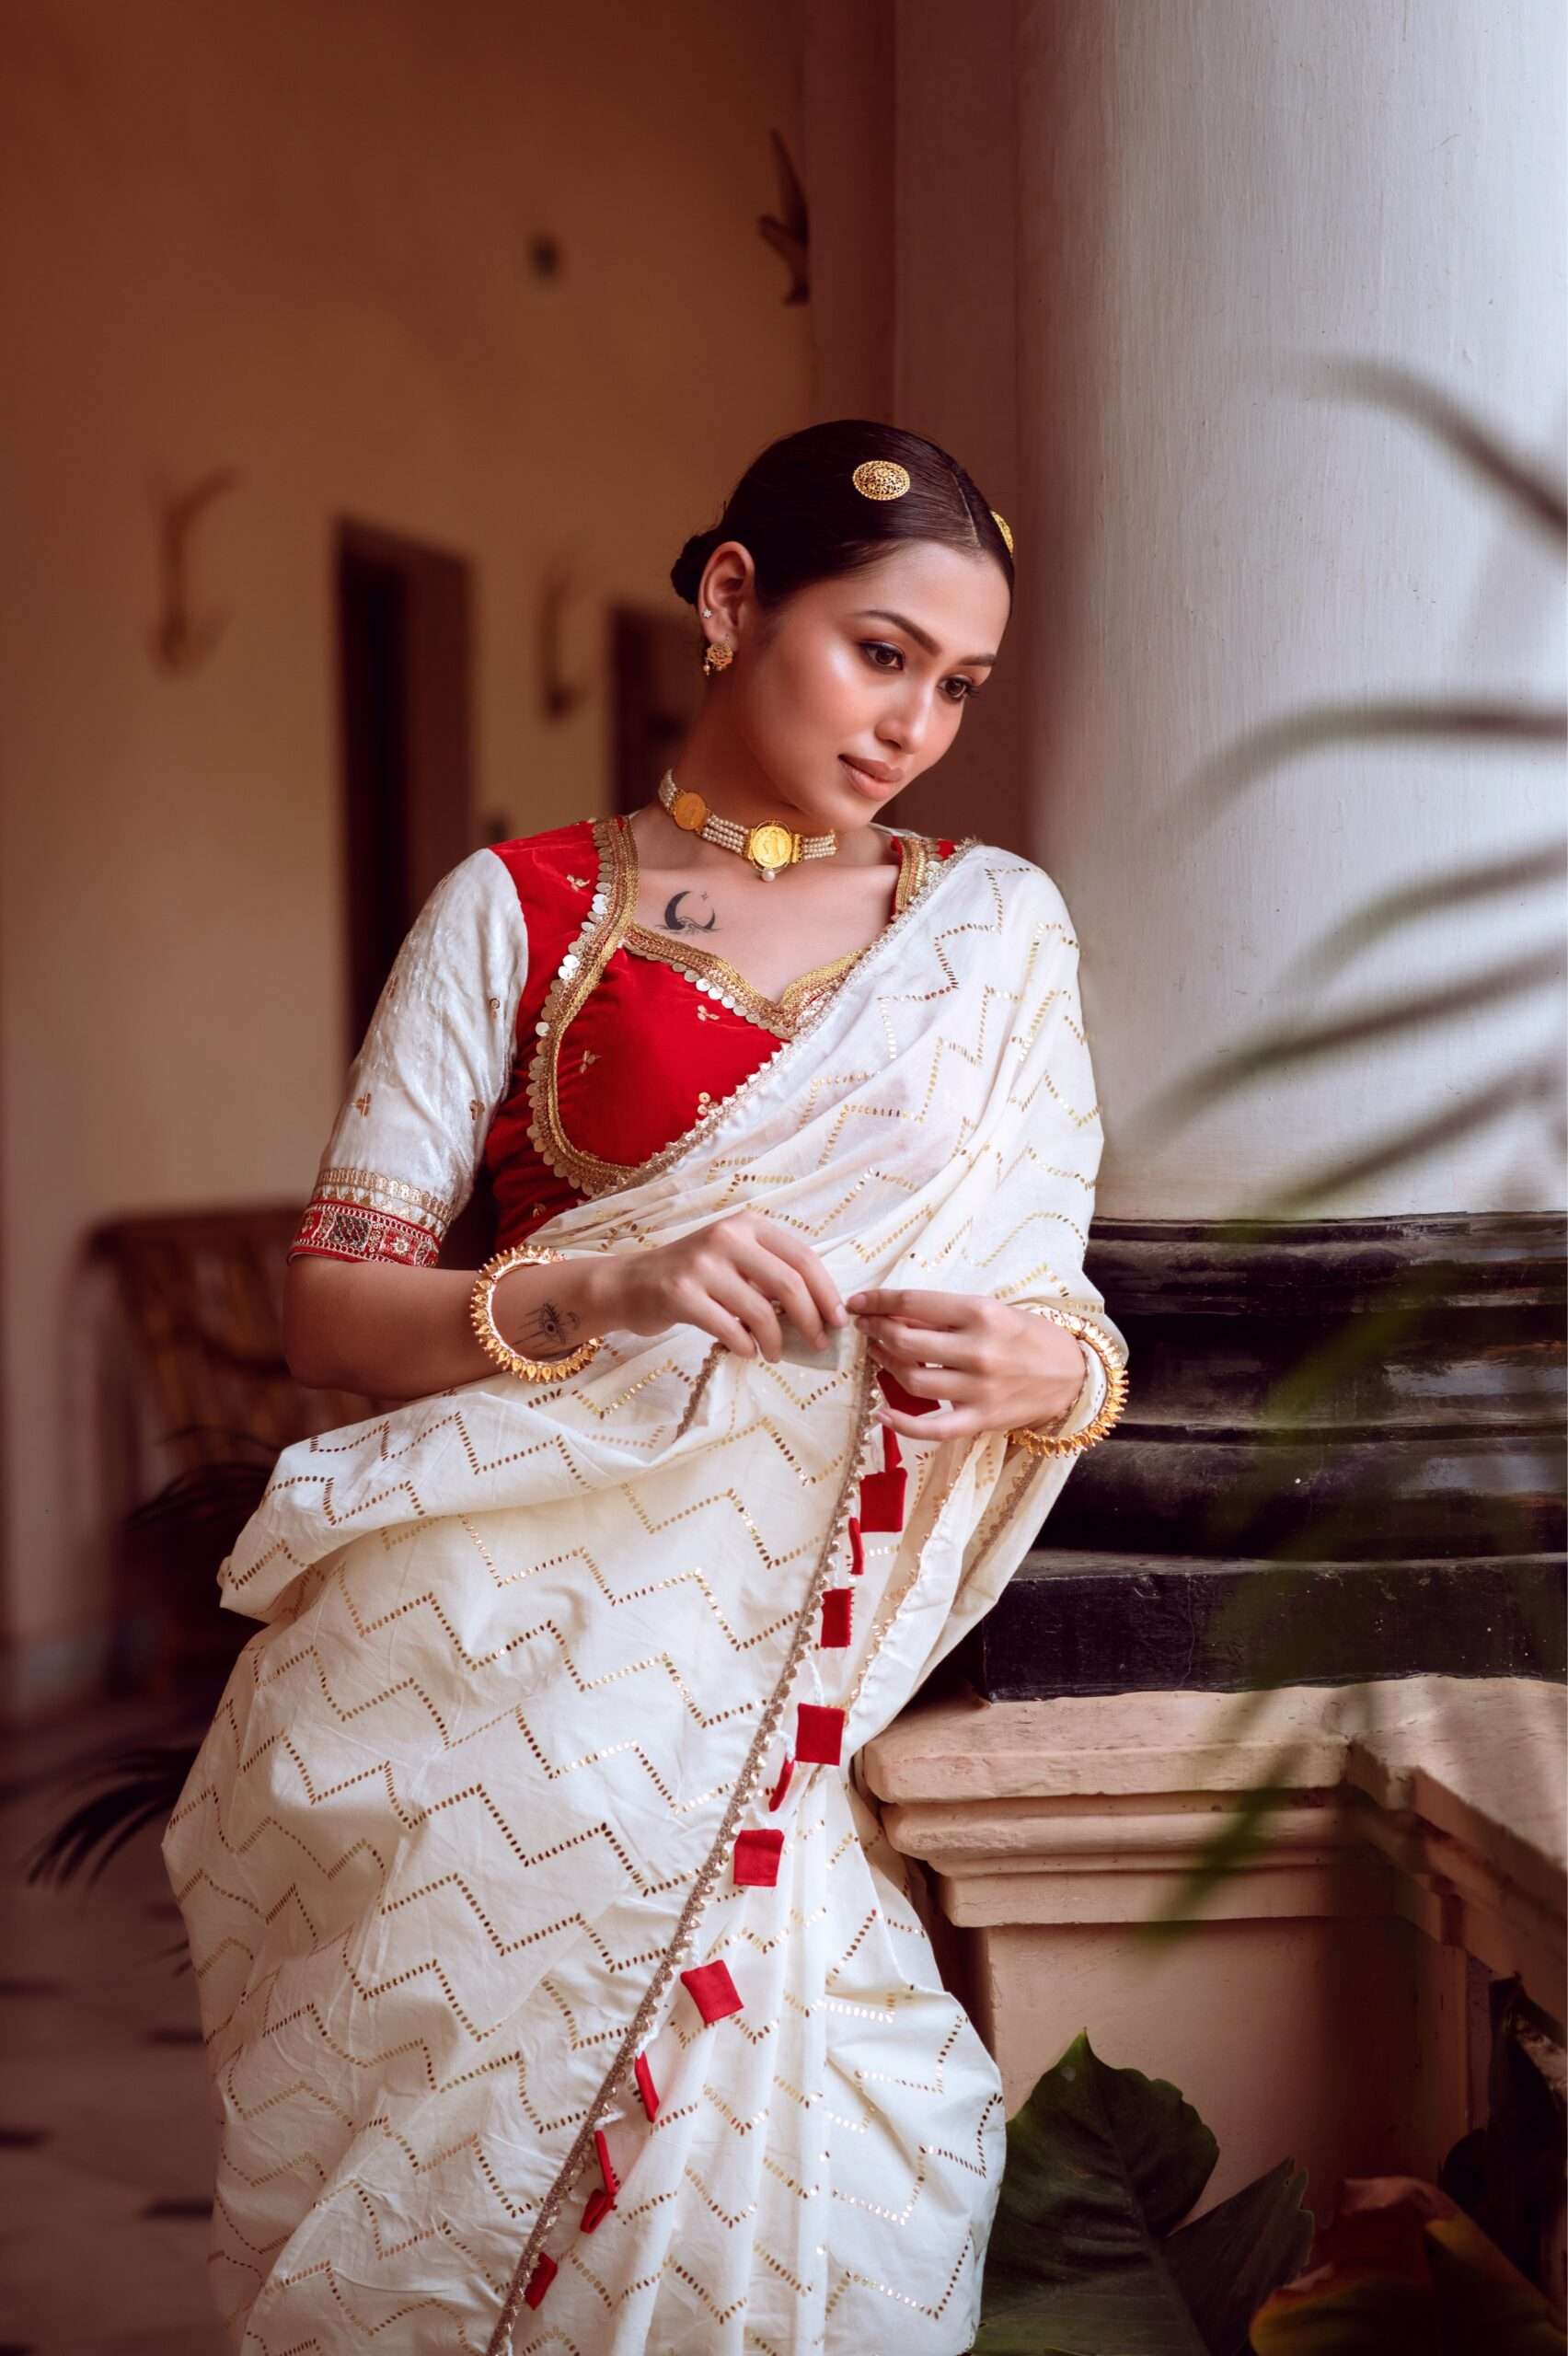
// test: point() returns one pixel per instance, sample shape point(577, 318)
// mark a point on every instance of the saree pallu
point(560, 1988)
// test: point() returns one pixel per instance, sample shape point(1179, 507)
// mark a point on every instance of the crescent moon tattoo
point(675, 922)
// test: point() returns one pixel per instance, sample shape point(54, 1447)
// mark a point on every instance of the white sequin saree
point(560, 1990)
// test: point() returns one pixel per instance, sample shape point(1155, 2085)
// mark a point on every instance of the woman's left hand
point(1001, 1370)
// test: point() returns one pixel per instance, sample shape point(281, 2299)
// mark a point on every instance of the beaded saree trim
point(602, 929)
point(801, 1638)
point(713, 975)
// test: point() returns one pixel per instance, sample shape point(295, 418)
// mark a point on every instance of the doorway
point(405, 691)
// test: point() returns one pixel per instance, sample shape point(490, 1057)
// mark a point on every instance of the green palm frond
point(1433, 895)
point(145, 1784)
point(1288, 1046)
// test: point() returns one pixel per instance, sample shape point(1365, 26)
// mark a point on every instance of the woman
point(561, 1989)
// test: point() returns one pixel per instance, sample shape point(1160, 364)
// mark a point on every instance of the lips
point(870, 781)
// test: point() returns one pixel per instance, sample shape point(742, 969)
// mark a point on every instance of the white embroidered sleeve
point(406, 1146)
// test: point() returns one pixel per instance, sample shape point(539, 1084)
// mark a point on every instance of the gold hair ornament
point(880, 479)
point(481, 1314)
point(1084, 1330)
point(1001, 523)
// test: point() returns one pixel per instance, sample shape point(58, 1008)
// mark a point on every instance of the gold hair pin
point(880, 479)
point(1001, 523)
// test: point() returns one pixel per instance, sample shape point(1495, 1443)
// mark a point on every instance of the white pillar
point(1207, 197)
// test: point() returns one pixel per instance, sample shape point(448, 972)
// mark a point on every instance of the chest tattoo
point(676, 918)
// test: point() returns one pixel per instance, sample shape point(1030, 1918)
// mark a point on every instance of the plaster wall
point(1125, 240)
point(1213, 202)
point(296, 241)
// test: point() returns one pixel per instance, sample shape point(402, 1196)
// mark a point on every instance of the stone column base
point(1327, 1999)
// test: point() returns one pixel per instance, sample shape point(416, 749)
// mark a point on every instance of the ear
point(727, 583)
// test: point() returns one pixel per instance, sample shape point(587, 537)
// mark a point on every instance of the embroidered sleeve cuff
point(360, 1215)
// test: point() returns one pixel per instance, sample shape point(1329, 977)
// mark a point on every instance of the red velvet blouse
point(533, 1032)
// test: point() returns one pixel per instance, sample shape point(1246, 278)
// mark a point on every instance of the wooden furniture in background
point(202, 1294)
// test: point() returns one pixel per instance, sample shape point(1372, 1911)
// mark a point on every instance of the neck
point(713, 763)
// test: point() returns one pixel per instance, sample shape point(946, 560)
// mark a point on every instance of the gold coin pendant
point(770, 847)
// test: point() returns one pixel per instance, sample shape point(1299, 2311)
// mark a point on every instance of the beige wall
point(294, 239)
point(1216, 204)
point(1120, 236)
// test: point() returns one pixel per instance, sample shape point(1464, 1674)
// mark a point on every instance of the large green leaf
point(1227, 2260)
point(1101, 2166)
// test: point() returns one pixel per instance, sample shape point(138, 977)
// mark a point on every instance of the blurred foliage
point(1087, 2253)
point(1402, 2272)
point(1539, 504)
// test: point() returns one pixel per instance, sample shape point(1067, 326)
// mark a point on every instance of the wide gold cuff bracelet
point(1040, 1443)
point(481, 1313)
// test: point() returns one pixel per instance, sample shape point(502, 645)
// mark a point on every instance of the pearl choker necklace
point(769, 847)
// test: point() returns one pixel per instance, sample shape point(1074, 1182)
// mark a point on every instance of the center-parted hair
point(798, 512)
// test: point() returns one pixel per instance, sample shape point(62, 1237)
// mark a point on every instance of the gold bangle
point(481, 1314)
point(1085, 1331)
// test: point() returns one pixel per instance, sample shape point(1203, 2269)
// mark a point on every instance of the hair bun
point(686, 573)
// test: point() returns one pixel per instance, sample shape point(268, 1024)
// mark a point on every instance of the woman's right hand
point(731, 1279)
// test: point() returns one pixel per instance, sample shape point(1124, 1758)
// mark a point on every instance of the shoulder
point(474, 895)
point(507, 882)
point(552, 873)
point(471, 930)
point(1028, 892)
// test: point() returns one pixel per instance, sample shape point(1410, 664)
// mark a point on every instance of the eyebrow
point(921, 638)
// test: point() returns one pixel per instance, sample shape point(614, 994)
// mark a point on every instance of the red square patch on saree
point(820, 1737)
point(757, 1851)
point(881, 1493)
point(881, 1500)
point(892, 1391)
point(837, 1616)
point(712, 1990)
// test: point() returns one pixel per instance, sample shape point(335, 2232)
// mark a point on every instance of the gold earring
point(718, 658)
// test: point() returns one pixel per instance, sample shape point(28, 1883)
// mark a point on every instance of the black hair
point(796, 510)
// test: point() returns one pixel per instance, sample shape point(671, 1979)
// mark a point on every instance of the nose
point(907, 718)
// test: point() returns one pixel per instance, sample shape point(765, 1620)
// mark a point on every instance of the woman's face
point(874, 666)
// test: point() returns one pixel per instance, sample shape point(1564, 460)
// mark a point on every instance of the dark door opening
point(404, 694)
point(405, 710)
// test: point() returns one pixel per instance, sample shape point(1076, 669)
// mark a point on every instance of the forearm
point(398, 1333)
